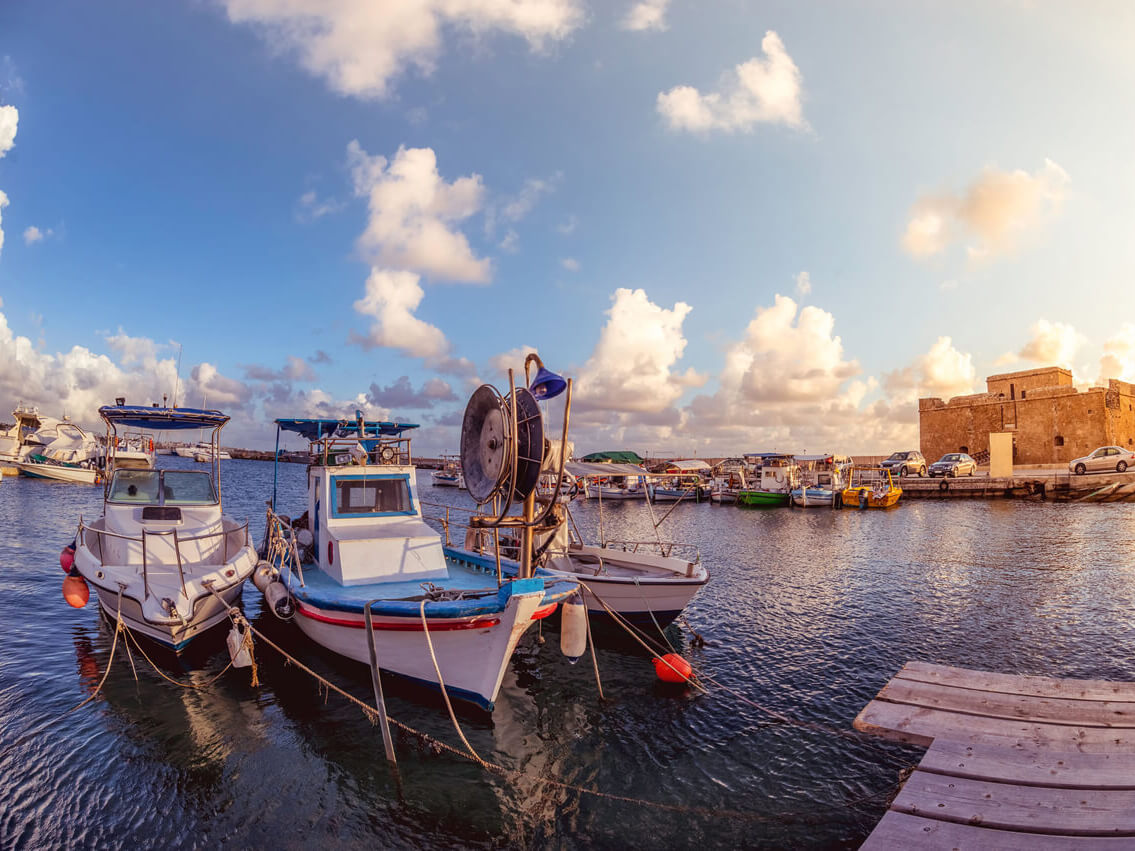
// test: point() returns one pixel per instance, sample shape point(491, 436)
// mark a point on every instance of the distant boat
point(30, 434)
point(822, 478)
point(450, 475)
point(73, 456)
point(871, 487)
point(771, 480)
point(202, 452)
point(132, 450)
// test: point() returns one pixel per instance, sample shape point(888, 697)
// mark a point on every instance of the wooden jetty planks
point(1007, 806)
point(1028, 765)
point(901, 832)
point(996, 704)
point(1017, 683)
point(1013, 761)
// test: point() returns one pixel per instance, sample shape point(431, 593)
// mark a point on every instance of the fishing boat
point(364, 576)
point(727, 481)
point(772, 478)
point(164, 555)
point(871, 487)
point(684, 488)
point(822, 479)
point(449, 475)
point(612, 485)
point(643, 582)
point(73, 456)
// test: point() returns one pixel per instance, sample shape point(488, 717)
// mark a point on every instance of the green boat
point(766, 498)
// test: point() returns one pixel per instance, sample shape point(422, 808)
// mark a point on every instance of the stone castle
point(1051, 421)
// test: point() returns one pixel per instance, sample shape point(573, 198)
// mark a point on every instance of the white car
point(1105, 458)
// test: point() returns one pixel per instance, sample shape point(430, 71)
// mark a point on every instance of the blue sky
point(935, 192)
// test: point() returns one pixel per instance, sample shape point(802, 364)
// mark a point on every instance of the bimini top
point(315, 429)
point(619, 457)
point(582, 470)
point(161, 419)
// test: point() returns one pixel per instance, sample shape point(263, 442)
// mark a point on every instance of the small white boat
point(822, 477)
point(450, 475)
point(203, 452)
point(132, 451)
point(73, 456)
point(163, 554)
point(30, 434)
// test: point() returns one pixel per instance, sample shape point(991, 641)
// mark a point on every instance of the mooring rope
point(118, 627)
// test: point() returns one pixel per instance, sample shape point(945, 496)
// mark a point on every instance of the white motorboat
point(30, 434)
point(163, 554)
point(203, 452)
point(362, 546)
point(73, 456)
point(132, 451)
point(449, 475)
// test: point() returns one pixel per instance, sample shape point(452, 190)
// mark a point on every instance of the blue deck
point(404, 598)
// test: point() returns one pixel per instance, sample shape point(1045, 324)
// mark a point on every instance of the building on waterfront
point(1051, 421)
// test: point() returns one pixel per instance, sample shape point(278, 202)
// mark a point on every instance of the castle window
point(1023, 394)
point(1012, 392)
point(963, 449)
point(1058, 440)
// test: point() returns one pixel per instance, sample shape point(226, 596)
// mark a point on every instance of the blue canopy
point(314, 429)
point(161, 419)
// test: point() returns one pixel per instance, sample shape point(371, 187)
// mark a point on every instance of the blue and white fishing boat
point(362, 545)
point(822, 479)
point(164, 555)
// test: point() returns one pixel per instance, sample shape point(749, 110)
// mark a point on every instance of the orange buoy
point(672, 668)
point(67, 558)
point(76, 592)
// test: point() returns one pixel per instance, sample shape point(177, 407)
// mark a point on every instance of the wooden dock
point(1103, 487)
point(1014, 762)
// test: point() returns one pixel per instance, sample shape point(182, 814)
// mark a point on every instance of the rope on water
point(163, 675)
point(118, 627)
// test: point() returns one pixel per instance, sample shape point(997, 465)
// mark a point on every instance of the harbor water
point(806, 615)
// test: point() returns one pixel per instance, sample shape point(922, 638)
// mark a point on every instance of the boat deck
point(1013, 761)
point(318, 586)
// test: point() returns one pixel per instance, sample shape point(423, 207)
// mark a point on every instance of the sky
point(738, 226)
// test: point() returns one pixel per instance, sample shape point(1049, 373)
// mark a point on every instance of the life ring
point(943, 485)
point(777, 477)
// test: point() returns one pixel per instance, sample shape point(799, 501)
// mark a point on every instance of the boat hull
point(59, 473)
point(814, 498)
point(762, 498)
point(867, 498)
point(208, 612)
point(472, 651)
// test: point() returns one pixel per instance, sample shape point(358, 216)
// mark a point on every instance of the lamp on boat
point(546, 385)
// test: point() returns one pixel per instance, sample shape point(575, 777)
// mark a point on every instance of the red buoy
point(76, 592)
point(672, 668)
point(67, 558)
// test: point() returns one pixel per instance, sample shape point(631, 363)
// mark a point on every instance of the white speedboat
point(366, 547)
point(163, 553)
point(73, 456)
point(203, 452)
point(450, 475)
point(132, 451)
point(30, 433)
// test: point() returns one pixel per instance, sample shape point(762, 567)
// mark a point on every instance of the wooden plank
point(1017, 683)
point(1030, 766)
point(901, 832)
point(996, 704)
point(1006, 806)
point(920, 726)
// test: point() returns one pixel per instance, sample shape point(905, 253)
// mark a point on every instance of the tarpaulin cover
point(581, 469)
point(162, 419)
point(619, 457)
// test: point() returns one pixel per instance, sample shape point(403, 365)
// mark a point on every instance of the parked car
point(910, 463)
point(954, 464)
point(1105, 458)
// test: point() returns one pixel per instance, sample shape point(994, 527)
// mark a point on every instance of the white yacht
point(73, 456)
point(163, 553)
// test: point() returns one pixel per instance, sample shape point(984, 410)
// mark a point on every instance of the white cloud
point(391, 298)
point(803, 284)
point(9, 121)
point(512, 359)
point(311, 207)
point(570, 263)
point(996, 209)
point(943, 371)
point(1051, 343)
point(631, 366)
point(510, 244)
point(3, 204)
point(646, 15)
point(520, 205)
point(294, 369)
point(1118, 360)
point(33, 234)
point(412, 209)
point(360, 46)
point(761, 91)
point(569, 226)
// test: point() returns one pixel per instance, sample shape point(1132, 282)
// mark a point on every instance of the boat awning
point(314, 429)
point(688, 466)
point(583, 469)
point(765, 455)
point(835, 459)
point(161, 419)
point(616, 457)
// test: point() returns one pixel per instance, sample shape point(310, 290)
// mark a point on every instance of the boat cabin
point(363, 512)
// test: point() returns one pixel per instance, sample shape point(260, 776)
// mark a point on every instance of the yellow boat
point(877, 489)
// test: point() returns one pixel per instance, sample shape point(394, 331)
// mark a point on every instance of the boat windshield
point(162, 487)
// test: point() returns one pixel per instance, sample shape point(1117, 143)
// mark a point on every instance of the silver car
point(954, 464)
point(1105, 458)
point(910, 462)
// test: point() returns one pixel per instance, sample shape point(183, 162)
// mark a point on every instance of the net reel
point(503, 452)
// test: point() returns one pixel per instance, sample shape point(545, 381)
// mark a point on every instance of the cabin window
point(1058, 440)
point(371, 496)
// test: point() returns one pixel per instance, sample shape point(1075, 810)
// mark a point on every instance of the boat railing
point(338, 451)
point(282, 547)
point(666, 549)
point(224, 534)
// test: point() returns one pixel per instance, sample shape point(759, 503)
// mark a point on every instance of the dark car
point(954, 464)
point(910, 463)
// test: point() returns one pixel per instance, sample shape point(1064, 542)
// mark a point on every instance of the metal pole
point(275, 467)
point(376, 680)
point(526, 536)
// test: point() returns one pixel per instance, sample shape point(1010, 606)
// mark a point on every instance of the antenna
point(177, 381)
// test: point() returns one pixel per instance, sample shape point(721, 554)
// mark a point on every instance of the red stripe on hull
point(543, 611)
point(409, 626)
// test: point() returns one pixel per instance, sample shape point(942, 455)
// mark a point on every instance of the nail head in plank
point(902, 832)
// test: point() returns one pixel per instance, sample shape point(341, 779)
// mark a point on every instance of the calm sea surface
point(807, 613)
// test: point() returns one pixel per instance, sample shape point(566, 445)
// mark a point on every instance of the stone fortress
point(1051, 421)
